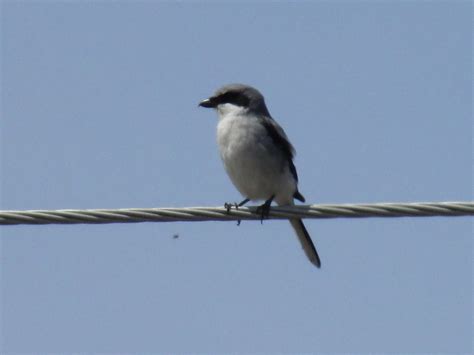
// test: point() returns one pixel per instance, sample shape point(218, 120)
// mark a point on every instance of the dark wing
point(280, 139)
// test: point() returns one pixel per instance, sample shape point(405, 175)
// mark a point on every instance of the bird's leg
point(264, 209)
point(242, 203)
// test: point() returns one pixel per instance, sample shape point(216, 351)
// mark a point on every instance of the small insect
point(175, 236)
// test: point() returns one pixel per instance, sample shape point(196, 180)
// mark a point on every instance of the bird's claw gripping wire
point(264, 210)
point(228, 206)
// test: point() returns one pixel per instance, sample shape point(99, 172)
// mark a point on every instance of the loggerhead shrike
point(257, 154)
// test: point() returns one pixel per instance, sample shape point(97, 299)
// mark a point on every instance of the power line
point(195, 214)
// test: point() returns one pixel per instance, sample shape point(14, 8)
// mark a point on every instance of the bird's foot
point(264, 210)
point(228, 206)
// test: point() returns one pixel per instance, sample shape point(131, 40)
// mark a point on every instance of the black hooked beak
point(208, 103)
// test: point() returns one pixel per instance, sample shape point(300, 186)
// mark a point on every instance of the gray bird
point(257, 154)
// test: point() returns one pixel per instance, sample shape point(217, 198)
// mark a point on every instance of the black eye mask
point(234, 98)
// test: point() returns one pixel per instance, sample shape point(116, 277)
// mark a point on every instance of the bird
point(257, 154)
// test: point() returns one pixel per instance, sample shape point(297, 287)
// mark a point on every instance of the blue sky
point(99, 110)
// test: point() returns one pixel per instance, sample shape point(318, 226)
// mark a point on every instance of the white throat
point(230, 109)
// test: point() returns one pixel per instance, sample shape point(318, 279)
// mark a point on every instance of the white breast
point(255, 166)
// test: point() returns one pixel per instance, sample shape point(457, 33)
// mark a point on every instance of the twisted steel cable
point(195, 214)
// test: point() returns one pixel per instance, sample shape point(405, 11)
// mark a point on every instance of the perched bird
point(257, 154)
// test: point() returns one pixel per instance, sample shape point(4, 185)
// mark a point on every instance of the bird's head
point(236, 97)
